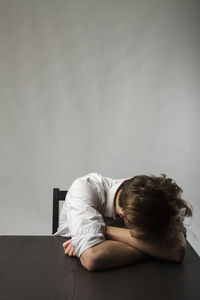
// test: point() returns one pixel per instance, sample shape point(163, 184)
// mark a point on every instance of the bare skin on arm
point(121, 249)
point(108, 254)
point(173, 249)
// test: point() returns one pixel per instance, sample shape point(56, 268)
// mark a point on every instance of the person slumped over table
point(115, 222)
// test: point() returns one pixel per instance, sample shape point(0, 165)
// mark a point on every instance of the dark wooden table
point(35, 267)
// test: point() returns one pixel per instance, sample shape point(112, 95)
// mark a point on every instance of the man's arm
point(110, 254)
point(173, 249)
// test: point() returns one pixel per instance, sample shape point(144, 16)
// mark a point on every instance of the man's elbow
point(90, 265)
point(88, 260)
point(180, 254)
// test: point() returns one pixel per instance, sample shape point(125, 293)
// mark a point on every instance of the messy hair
point(153, 207)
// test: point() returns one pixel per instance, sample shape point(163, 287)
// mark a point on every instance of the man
point(150, 207)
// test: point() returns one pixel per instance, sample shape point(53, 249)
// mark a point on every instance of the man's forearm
point(111, 254)
point(166, 251)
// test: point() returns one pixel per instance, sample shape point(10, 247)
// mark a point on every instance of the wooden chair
point(58, 197)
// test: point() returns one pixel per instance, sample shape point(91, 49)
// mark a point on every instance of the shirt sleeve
point(86, 224)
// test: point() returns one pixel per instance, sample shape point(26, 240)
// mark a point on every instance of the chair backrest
point(58, 197)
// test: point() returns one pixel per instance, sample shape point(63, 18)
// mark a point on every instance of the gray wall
point(95, 86)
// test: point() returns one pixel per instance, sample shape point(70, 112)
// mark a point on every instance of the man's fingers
point(71, 251)
point(65, 244)
point(68, 249)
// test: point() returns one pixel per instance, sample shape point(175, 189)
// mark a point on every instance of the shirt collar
point(109, 210)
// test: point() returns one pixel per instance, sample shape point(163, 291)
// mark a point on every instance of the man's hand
point(68, 249)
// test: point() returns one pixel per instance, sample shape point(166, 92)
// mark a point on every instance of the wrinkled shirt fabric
point(89, 200)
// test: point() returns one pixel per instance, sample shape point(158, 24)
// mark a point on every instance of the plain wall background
point(95, 86)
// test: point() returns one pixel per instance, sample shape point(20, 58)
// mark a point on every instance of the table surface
point(35, 267)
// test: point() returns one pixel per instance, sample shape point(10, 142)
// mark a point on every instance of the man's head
point(152, 207)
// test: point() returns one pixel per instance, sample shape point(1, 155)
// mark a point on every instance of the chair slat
point(58, 195)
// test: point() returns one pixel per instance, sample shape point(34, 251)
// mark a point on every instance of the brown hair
point(153, 206)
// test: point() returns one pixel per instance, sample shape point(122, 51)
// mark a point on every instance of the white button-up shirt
point(89, 199)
